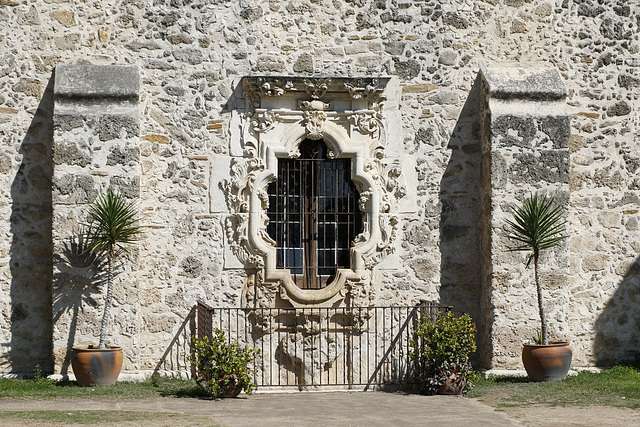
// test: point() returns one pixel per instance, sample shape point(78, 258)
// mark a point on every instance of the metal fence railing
point(175, 360)
point(315, 347)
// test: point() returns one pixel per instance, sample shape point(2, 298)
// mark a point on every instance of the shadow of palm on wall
point(80, 275)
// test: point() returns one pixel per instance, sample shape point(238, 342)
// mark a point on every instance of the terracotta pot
point(93, 366)
point(547, 362)
point(231, 389)
point(454, 384)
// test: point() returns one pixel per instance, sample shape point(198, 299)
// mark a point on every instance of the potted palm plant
point(538, 225)
point(112, 228)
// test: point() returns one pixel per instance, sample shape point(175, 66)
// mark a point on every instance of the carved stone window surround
point(336, 140)
point(303, 109)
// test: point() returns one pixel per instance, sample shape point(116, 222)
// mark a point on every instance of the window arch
point(313, 215)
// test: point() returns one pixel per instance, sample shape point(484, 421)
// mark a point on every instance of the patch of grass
point(101, 417)
point(44, 388)
point(618, 386)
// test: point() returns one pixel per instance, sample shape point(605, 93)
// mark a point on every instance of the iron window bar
point(313, 215)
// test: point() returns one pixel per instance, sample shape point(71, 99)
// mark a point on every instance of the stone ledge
point(539, 84)
point(522, 373)
point(97, 81)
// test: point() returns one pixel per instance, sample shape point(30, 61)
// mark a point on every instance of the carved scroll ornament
point(238, 191)
point(363, 88)
point(387, 177)
point(369, 123)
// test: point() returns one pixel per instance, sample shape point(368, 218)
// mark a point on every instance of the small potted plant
point(537, 225)
point(222, 367)
point(112, 228)
point(442, 350)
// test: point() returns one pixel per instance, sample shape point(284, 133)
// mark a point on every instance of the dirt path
point(371, 409)
point(328, 409)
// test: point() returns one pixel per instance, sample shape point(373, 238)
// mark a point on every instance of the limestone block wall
point(191, 58)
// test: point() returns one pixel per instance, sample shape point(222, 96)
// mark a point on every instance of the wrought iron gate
point(364, 347)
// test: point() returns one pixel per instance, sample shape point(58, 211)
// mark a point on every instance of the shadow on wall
point(617, 329)
point(460, 198)
point(31, 246)
point(79, 276)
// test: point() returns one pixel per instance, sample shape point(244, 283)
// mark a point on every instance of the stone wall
point(191, 57)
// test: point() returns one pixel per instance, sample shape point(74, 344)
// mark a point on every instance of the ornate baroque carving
point(314, 123)
point(315, 104)
point(358, 293)
point(369, 123)
point(274, 86)
point(263, 121)
point(362, 88)
point(238, 192)
point(261, 294)
point(386, 176)
point(316, 88)
point(268, 134)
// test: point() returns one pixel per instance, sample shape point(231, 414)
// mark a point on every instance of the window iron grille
point(313, 215)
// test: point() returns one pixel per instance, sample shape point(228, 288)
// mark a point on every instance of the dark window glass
point(313, 215)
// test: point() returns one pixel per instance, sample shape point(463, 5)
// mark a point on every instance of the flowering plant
point(443, 347)
point(222, 366)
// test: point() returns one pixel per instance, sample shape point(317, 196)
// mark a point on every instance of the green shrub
point(221, 364)
point(442, 347)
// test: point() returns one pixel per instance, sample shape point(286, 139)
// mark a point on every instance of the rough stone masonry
point(487, 101)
